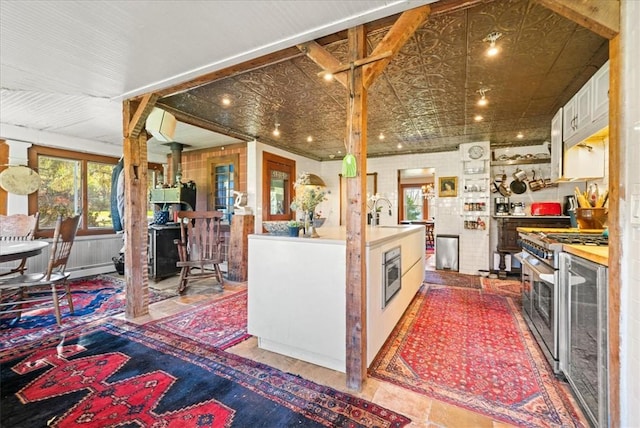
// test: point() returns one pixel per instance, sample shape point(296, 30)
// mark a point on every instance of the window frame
point(84, 158)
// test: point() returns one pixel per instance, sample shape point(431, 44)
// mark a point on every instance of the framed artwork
point(448, 187)
point(372, 188)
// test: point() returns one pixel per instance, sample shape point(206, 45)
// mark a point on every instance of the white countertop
point(375, 235)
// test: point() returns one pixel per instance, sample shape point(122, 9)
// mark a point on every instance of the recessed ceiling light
point(226, 101)
point(331, 156)
point(478, 118)
point(276, 131)
point(328, 77)
point(309, 139)
point(381, 136)
point(399, 145)
point(520, 136)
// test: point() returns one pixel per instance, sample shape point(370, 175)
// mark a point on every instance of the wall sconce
point(491, 38)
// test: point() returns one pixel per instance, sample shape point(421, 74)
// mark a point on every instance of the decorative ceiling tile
point(426, 97)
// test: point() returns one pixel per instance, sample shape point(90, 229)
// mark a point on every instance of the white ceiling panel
point(67, 65)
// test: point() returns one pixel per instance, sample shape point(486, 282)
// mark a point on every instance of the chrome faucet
point(374, 209)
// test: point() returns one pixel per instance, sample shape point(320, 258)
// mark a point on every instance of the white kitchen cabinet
point(556, 146)
point(577, 113)
point(600, 92)
point(585, 114)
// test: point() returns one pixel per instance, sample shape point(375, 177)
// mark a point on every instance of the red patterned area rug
point(94, 298)
point(453, 279)
point(472, 349)
point(221, 323)
point(508, 287)
point(119, 374)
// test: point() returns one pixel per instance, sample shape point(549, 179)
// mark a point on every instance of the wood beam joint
point(600, 16)
point(139, 117)
point(394, 40)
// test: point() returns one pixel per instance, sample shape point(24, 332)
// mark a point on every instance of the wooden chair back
point(202, 234)
point(200, 246)
point(18, 227)
point(63, 237)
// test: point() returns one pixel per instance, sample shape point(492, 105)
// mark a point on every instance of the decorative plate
point(19, 180)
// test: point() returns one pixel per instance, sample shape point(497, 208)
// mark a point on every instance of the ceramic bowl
point(318, 222)
point(277, 227)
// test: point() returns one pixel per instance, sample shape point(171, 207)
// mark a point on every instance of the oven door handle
point(540, 269)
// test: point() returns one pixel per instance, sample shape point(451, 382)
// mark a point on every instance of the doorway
point(416, 189)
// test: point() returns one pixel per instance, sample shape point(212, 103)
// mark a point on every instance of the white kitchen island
point(297, 293)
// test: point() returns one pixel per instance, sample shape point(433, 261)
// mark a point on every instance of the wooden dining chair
point(19, 291)
point(17, 227)
point(200, 247)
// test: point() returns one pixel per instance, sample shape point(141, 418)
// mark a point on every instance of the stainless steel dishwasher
point(447, 252)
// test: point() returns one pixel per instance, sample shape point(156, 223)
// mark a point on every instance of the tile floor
point(423, 411)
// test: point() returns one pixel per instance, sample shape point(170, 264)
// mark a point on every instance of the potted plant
point(294, 228)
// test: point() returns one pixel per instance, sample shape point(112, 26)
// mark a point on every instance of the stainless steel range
point(541, 293)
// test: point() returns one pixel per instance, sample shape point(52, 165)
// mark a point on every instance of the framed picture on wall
point(448, 187)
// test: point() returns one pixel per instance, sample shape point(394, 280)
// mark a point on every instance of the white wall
point(254, 174)
point(445, 163)
point(630, 217)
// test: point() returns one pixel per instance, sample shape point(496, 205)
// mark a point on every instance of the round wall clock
point(476, 152)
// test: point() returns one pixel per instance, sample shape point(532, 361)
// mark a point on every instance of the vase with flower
point(308, 196)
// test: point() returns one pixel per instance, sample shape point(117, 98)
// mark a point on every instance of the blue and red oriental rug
point(471, 348)
point(119, 374)
point(94, 298)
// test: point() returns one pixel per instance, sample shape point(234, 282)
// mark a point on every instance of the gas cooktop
point(595, 239)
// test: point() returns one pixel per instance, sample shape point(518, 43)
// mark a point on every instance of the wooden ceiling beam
point(323, 58)
point(600, 16)
point(393, 41)
point(136, 122)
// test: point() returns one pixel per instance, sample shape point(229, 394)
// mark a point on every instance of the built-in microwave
point(391, 275)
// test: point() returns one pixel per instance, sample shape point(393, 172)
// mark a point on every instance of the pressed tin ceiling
point(426, 99)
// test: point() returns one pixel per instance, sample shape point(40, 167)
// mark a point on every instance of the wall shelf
point(521, 161)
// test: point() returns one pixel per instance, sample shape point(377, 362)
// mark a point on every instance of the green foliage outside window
point(62, 191)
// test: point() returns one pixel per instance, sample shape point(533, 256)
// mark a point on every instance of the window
point(224, 180)
point(72, 182)
point(414, 204)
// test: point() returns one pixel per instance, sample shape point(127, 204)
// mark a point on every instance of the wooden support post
point(356, 277)
point(241, 227)
point(135, 226)
point(134, 115)
point(616, 177)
